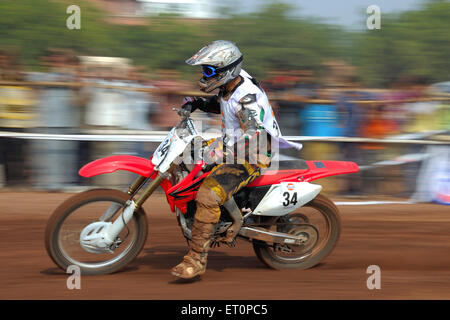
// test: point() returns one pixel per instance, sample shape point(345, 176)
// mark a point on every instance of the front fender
point(141, 166)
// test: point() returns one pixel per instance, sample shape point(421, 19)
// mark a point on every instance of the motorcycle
point(283, 214)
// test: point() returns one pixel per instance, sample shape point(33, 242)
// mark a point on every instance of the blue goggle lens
point(208, 71)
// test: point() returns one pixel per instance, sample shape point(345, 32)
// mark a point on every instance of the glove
point(191, 104)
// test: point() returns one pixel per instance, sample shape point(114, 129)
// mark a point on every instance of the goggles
point(210, 71)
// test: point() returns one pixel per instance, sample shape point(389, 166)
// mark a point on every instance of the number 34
point(289, 199)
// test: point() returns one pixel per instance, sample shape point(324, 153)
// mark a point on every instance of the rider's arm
point(249, 145)
point(210, 104)
point(250, 117)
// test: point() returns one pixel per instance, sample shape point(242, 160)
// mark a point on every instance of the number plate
point(163, 148)
point(289, 195)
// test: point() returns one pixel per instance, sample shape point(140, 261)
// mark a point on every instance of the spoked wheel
point(317, 223)
point(62, 235)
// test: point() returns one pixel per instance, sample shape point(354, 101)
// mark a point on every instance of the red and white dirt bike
point(288, 222)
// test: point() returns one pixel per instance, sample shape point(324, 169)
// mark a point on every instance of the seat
point(299, 164)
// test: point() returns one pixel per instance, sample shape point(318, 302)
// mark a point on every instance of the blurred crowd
point(306, 105)
point(339, 106)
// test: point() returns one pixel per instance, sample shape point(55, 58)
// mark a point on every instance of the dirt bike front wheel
point(62, 235)
point(318, 222)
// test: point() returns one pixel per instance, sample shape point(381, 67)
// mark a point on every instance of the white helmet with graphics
point(221, 62)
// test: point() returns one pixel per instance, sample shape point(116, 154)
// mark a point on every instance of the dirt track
point(410, 243)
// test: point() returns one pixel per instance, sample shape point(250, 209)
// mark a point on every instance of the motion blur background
point(326, 75)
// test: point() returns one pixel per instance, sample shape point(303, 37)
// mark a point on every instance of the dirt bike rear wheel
point(314, 254)
point(92, 203)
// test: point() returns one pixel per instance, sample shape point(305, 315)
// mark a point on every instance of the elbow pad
point(250, 115)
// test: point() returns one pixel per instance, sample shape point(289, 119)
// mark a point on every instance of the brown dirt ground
point(410, 243)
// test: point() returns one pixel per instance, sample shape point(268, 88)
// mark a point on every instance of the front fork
point(116, 227)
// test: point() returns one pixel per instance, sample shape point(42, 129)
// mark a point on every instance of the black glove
point(191, 104)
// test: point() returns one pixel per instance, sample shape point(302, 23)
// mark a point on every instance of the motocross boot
point(194, 262)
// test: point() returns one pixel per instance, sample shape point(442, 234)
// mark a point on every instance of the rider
point(246, 115)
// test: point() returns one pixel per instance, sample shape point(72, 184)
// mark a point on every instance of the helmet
point(221, 62)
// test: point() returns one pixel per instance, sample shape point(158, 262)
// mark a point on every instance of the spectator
point(55, 161)
point(321, 119)
point(378, 126)
point(351, 117)
point(17, 114)
point(169, 81)
point(141, 107)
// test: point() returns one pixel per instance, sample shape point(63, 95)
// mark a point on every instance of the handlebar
point(184, 112)
point(186, 121)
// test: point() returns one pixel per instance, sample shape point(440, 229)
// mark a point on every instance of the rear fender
point(140, 166)
point(316, 170)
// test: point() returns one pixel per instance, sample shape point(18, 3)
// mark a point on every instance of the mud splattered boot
point(194, 262)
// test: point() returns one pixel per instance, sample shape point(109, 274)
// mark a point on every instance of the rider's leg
point(218, 187)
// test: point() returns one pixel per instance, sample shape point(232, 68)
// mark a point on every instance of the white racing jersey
point(262, 110)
